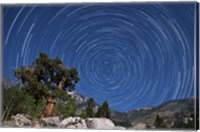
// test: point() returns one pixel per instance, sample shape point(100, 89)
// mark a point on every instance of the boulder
point(99, 123)
point(36, 123)
point(9, 123)
point(120, 127)
point(50, 121)
point(139, 126)
point(73, 122)
point(21, 120)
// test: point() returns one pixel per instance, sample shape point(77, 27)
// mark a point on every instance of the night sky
point(132, 55)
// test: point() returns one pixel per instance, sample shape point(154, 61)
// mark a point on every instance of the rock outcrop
point(99, 123)
point(139, 126)
point(50, 121)
point(73, 122)
point(21, 120)
point(119, 128)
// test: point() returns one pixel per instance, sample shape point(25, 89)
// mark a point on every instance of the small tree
point(66, 109)
point(16, 101)
point(90, 107)
point(103, 110)
point(99, 112)
point(71, 107)
point(159, 122)
point(84, 114)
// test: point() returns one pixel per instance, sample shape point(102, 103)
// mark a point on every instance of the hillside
point(171, 112)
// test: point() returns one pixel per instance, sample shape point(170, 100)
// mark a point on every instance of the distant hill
point(170, 112)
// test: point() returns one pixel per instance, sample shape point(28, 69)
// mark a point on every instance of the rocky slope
point(21, 120)
point(170, 112)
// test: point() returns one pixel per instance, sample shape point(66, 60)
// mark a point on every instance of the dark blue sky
point(132, 55)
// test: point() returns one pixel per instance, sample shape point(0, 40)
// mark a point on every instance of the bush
point(84, 114)
point(66, 110)
point(16, 101)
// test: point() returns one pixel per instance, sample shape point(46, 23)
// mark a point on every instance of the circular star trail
point(132, 55)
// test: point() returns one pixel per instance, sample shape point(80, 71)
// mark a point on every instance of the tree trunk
point(8, 113)
point(5, 111)
point(50, 106)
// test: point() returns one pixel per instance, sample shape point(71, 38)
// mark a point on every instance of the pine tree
point(158, 121)
point(90, 107)
point(103, 110)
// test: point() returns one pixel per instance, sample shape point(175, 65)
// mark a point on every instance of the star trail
point(132, 55)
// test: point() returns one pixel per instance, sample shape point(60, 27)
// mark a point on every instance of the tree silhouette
point(103, 110)
point(47, 79)
point(84, 114)
point(159, 122)
point(90, 107)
